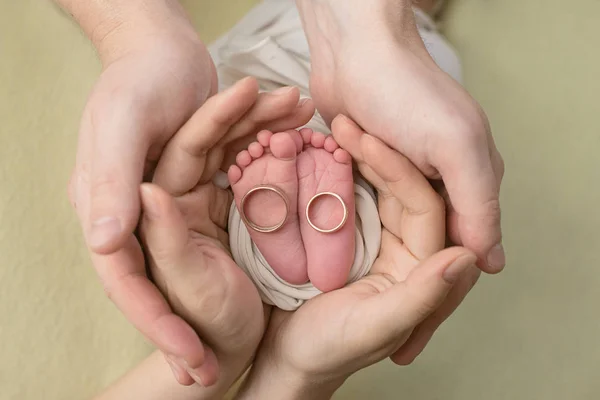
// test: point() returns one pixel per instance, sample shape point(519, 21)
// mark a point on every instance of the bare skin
point(301, 164)
point(429, 6)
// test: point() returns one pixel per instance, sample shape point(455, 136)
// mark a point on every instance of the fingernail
point(496, 258)
point(194, 373)
point(455, 270)
point(174, 368)
point(283, 90)
point(302, 102)
point(104, 230)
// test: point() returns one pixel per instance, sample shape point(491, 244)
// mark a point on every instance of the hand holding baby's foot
point(184, 232)
point(186, 250)
point(300, 166)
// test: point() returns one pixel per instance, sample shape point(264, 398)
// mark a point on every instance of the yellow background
point(531, 333)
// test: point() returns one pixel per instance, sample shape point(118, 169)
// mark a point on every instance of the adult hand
point(369, 63)
point(371, 319)
point(387, 181)
point(141, 99)
point(156, 73)
point(220, 124)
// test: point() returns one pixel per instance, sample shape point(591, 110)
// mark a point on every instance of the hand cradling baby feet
point(295, 193)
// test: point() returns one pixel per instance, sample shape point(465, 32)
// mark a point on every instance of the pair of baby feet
point(301, 164)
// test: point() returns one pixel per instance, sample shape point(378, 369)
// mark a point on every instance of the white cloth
point(275, 290)
point(269, 44)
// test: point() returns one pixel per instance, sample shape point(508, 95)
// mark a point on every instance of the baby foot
point(324, 167)
point(272, 161)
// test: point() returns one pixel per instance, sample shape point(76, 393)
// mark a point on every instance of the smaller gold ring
point(340, 225)
point(259, 228)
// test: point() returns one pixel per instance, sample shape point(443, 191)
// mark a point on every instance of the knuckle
point(195, 149)
point(483, 229)
point(469, 125)
point(493, 210)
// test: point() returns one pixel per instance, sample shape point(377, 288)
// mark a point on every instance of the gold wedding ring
point(340, 225)
point(259, 228)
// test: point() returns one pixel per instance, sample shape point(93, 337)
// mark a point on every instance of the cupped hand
point(139, 102)
point(188, 254)
point(193, 156)
point(337, 333)
point(417, 223)
point(377, 71)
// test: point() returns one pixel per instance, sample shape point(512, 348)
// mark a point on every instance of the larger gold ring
point(340, 225)
point(259, 228)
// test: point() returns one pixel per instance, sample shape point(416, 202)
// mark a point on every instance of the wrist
point(339, 31)
point(267, 379)
point(117, 28)
point(340, 21)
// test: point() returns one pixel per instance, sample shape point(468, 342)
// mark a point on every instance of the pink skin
point(272, 161)
point(324, 167)
point(297, 252)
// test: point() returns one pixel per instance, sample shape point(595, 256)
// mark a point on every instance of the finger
point(422, 222)
point(208, 374)
point(406, 304)
point(347, 134)
point(126, 284)
point(119, 144)
point(421, 336)
point(453, 220)
point(163, 228)
point(272, 111)
point(467, 171)
point(180, 373)
point(166, 235)
point(124, 278)
point(269, 107)
point(206, 210)
point(299, 116)
point(184, 158)
point(408, 206)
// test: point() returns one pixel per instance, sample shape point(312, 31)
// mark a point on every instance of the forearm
point(153, 379)
point(267, 381)
point(345, 21)
point(115, 26)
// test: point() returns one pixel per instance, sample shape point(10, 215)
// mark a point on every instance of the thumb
point(406, 304)
point(117, 163)
point(165, 234)
point(163, 227)
point(473, 190)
